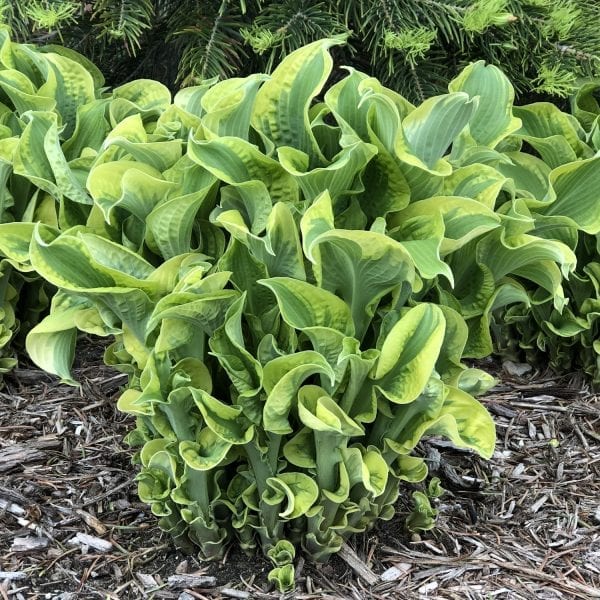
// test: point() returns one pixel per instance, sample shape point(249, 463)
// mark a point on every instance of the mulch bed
point(524, 525)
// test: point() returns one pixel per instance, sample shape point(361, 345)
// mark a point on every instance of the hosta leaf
point(577, 189)
point(247, 271)
point(528, 173)
point(203, 311)
point(317, 219)
point(505, 255)
point(479, 182)
point(282, 577)
point(300, 450)
point(142, 96)
point(228, 106)
point(206, 452)
point(15, 239)
point(287, 259)
point(422, 237)
point(244, 209)
point(68, 263)
point(282, 379)
point(466, 423)
point(39, 158)
point(51, 343)
point(74, 56)
point(131, 401)
point(228, 345)
point(171, 222)
point(410, 468)
point(90, 129)
point(361, 267)
point(298, 490)
point(226, 421)
point(161, 155)
point(74, 87)
point(22, 93)
point(304, 305)
point(65, 261)
point(407, 424)
point(338, 178)
point(429, 130)
point(319, 412)
point(190, 98)
point(409, 353)
point(236, 161)
point(132, 186)
point(464, 219)
point(455, 340)
point(493, 118)
point(586, 107)
point(281, 105)
point(365, 106)
point(545, 120)
point(366, 467)
point(367, 109)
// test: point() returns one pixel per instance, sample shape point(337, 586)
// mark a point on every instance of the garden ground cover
point(525, 524)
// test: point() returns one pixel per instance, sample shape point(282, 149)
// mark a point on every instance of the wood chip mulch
point(524, 525)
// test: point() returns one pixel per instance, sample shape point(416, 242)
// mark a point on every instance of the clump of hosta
point(563, 338)
point(292, 285)
point(50, 109)
point(289, 426)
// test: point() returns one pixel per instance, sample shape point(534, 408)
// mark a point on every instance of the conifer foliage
point(413, 46)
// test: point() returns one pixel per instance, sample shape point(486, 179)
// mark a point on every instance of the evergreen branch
point(211, 39)
point(579, 54)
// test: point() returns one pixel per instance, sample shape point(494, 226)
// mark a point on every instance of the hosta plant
point(292, 276)
point(49, 111)
point(55, 119)
point(569, 144)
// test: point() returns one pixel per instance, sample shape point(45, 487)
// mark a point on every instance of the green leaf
point(203, 311)
point(39, 158)
point(206, 453)
point(281, 106)
point(15, 239)
point(133, 186)
point(367, 467)
point(361, 267)
point(74, 87)
point(286, 259)
point(282, 577)
point(300, 450)
point(305, 305)
point(51, 343)
point(464, 219)
point(429, 130)
point(423, 516)
point(143, 96)
point(466, 423)
point(235, 161)
point(282, 379)
point(409, 353)
point(319, 412)
point(493, 118)
point(299, 490)
point(228, 345)
point(338, 178)
point(576, 187)
point(226, 421)
point(228, 106)
point(171, 222)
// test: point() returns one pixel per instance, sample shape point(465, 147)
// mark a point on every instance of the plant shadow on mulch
point(525, 524)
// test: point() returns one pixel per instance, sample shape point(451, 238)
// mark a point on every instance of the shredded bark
point(523, 525)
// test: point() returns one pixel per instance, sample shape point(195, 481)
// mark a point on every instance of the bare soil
point(524, 525)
